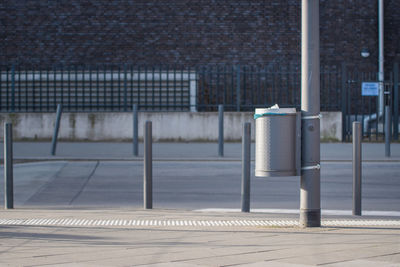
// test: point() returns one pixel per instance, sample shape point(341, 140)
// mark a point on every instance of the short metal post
point(56, 129)
point(221, 130)
point(357, 168)
point(246, 141)
point(8, 168)
point(387, 130)
point(135, 130)
point(148, 167)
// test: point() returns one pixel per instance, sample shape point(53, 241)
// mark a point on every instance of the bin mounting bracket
point(319, 116)
point(315, 167)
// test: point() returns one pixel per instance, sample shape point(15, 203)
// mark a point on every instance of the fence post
point(12, 88)
point(387, 130)
point(135, 130)
point(221, 130)
point(246, 142)
point(238, 88)
point(343, 96)
point(148, 167)
point(193, 92)
point(396, 101)
point(8, 168)
point(357, 168)
point(125, 89)
point(56, 128)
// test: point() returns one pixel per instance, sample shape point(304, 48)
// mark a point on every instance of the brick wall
point(189, 32)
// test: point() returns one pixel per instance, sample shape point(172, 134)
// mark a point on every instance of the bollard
point(221, 130)
point(56, 128)
point(148, 167)
point(387, 130)
point(135, 130)
point(246, 142)
point(8, 168)
point(357, 168)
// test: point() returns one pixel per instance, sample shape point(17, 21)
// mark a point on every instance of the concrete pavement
point(182, 238)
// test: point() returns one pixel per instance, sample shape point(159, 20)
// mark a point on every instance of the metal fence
point(100, 88)
point(117, 88)
point(171, 88)
point(243, 88)
point(365, 109)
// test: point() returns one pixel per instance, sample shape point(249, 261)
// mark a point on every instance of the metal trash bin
point(276, 142)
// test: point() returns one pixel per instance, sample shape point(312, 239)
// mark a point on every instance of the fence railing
point(238, 88)
point(365, 109)
point(96, 89)
point(243, 88)
point(105, 88)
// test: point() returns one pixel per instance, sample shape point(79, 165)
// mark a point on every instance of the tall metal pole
point(246, 142)
point(8, 168)
point(221, 130)
point(310, 197)
point(135, 130)
point(148, 167)
point(381, 57)
point(396, 101)
point(356, 168)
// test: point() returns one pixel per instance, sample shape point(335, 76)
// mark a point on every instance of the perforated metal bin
point(277, 140)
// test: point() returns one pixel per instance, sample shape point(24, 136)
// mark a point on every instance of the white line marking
point(186, 223)
point(296, 211)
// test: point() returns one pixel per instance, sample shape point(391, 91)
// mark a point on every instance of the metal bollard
point(388, 131)
point(148, 167)
point(357, 168)
point(221, 130)
point(56, 129)
point(135, 130)
point(8, 168)
point(246, 142)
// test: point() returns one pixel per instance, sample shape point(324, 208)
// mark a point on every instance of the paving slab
point(179, 245)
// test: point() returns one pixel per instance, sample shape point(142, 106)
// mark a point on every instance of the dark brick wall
point(189, 32)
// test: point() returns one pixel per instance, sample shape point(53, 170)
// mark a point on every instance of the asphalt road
point(192, 185)
point(191, 151)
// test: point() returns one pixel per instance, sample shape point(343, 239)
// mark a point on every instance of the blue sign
point(370, 89)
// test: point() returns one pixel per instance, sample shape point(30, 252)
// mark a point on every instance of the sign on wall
point(370, 89)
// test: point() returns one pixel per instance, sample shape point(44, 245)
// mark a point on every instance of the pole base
point(310, 218)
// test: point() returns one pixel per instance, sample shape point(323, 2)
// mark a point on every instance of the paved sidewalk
point(182, 238)
point(182, 151)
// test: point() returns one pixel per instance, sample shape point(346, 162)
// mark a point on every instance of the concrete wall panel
point(171, 126)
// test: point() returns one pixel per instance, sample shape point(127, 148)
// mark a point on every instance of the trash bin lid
point(262, 112)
